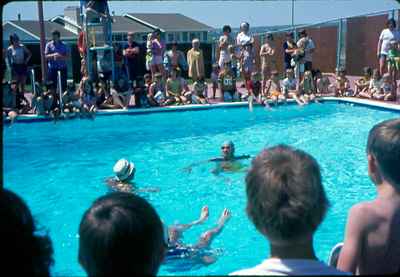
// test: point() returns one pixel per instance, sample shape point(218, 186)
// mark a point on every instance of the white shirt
point(290, 267)
point(243, 39)
point(386, 36)
point(289, 84)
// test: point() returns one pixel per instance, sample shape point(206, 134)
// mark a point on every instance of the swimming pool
point(59, 170)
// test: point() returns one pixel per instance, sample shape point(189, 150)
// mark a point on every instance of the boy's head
point(383, 149)
point(289, 73)
point(226, 29)
point(121, 234)
point(147, 78)
point(285, 197)
point(367, 71)
point(375, 74)
point(227, 65)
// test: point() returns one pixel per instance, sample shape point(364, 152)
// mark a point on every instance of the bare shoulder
point(364, 213)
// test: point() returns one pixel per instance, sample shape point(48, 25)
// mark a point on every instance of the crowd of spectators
point(234, 77)
point(122, 234)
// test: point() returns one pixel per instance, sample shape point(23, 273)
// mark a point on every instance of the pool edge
point(357, 101)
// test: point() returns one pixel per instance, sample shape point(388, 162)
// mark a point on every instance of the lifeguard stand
point(98, 37)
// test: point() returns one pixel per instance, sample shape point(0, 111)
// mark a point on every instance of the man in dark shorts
point(289, 47)
point(131, 52)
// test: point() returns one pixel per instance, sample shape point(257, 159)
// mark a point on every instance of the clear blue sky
point(218, 13)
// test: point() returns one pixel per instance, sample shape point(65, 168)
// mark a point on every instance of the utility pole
point(42, 40)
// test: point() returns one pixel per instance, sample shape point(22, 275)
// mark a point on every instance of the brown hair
point(285, 196)
point(384, 145)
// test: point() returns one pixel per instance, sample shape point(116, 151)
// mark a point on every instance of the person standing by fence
point(130, 53)
point(56, 56)
point(18, 57)
point(387, 34)
point(224, 42)
point(308, 46)
point(289, 47)
point(195, 60)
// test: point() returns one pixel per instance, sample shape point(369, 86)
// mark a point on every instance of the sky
point(219, 13)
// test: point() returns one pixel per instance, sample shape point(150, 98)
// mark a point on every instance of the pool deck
point(351, 100)
point(214, 103)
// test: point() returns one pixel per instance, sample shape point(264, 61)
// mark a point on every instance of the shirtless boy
point(372, 237)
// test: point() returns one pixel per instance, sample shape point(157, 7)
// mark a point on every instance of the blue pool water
point(59, 170)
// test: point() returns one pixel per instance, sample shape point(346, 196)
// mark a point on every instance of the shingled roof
point(168, 22)
point(123, 25)
point(32, 27)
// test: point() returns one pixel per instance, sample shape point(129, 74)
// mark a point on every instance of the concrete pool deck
point(351, 100)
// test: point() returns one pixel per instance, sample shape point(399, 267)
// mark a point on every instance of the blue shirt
point(52, 48)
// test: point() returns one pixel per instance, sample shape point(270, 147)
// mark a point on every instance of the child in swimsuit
point(273, 88)
point(214, 79)
point(362, 84)
point(199, 92)
point(307, 88)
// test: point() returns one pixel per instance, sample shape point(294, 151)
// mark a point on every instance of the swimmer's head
point(124, 170)
point(228, 149)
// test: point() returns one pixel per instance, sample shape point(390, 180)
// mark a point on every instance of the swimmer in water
point(123, 180)
point(227, 163)
point(177, 249)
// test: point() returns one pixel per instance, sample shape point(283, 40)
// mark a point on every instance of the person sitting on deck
point(362, 84)
point(322, 84)
point(174, 90)
point(71, 103)
point(121, 93)
point(199, 252)
point(88, 97)
point(341, 87)
point(124, 171)
point(286, 203)
point(121, 234)
point(386, 91)
point(375, 85)
point(289, 87)
point(227, 163)
point(254, 87)
point(227, 83)
point(307, 88)
point(273, 88)
point(200, 92)
point(372, 236)
point(14, 101)
point(156, 94)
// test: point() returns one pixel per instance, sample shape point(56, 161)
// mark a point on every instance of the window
point(178, 37)
point(170, 37)
point(192, 36)
point(184, 36)
point(205, 36)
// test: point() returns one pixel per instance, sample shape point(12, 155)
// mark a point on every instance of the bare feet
point(226, 214)
point(204, 214)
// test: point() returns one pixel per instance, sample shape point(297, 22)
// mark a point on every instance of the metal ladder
point(92, 31)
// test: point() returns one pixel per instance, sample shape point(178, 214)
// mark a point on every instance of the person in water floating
point(124, 171)
point(228, 162)
point(198, 252)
